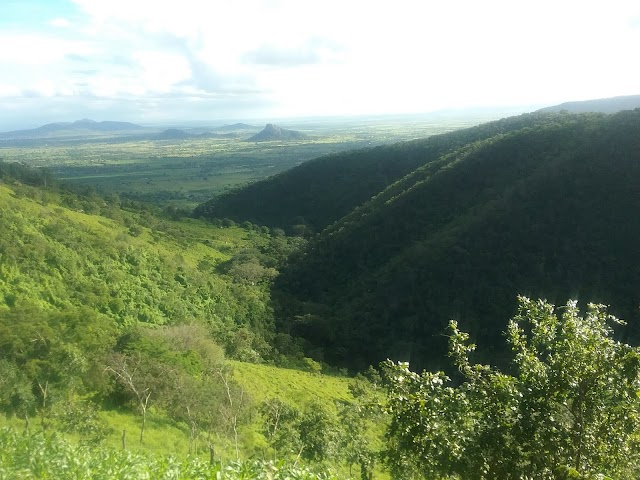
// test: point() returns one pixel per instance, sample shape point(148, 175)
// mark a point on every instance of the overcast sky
point(205, 60)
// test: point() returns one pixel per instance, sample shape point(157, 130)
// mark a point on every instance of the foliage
point(54, 258)
point(571, 404)
point(318, 192)
point(181, 173)
point(318, 433)
point(360, 420)
point(535, 205)
point(124, 309)
point(39, 456)
point(280, 426)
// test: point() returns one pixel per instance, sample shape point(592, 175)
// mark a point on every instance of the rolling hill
point(319, 192)
point(61, 252)
point(100, 300)
point(79, 126)
point(549, 209)
point(173, 134)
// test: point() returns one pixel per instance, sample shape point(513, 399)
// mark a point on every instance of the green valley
point(275, 330)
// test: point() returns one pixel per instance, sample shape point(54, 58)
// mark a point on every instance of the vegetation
point(319, 192)
point(126, 309)
point(189, 170)
point(570, 409)
point(37, 456)
point(134, 333)
point(548, 209)
point(108, 310)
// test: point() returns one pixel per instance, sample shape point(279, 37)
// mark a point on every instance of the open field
point(187, 172)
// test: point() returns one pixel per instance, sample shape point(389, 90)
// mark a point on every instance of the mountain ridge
point(78, 125)
point(538, 211)
point(600, 105)
point(321, 191)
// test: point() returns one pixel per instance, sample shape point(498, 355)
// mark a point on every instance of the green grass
point(293, 386)
point(39, 456)
point(164, 436)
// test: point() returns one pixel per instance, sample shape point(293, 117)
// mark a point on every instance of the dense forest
point(541, 204)
point(319, 192)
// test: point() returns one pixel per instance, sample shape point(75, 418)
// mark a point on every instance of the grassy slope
point(31, 244)
point(297, 387)
point(260, 382)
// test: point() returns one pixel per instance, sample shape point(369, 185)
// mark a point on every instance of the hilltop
point(173, 134)
point(77, 127)
point(272, 132)
point(601, 105)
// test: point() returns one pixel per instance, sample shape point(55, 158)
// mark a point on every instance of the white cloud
point(160, 71)
point(7, 90)
point(333, 56)
point(60, 22)
point(38, 49)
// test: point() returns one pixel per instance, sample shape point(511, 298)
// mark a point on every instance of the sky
point(155, 61)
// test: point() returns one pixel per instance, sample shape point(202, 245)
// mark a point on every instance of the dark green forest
point(321, 191)
point(541, 204)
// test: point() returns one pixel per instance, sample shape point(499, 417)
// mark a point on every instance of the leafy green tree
point(319, 433)
point(82, 418)
point(142, 378)
point(16, 394)
point(358, 440)
point(570, 409)
point(280, 426)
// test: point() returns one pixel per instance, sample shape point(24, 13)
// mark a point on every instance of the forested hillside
point(321, 191)
point(111, 305)
point(118, 317)
point(61, 251)
point(116, 326)
point(548, 208)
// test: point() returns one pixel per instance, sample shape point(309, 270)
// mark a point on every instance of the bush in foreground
point(569, 409)
point(36, 456)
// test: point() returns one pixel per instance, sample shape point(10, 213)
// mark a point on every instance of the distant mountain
point(236, 127)
point(602, 105)
point(78, 126)
point(217, 135)
point(173, 134)
point(105, 126)
point(272, 132)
